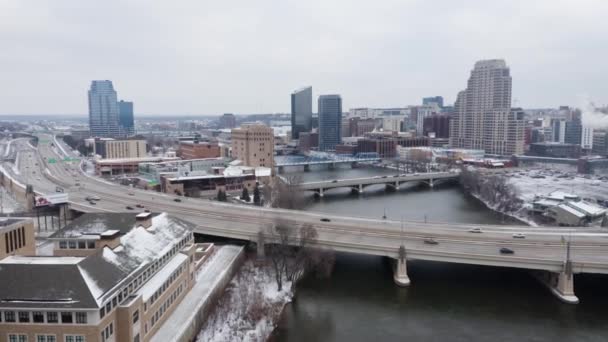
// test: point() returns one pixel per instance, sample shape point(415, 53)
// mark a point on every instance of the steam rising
point(591, 116)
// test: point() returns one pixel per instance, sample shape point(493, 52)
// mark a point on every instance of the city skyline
point(208, 67)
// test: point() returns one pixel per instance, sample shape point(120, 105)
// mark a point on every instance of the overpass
point(394, 181)
point(542, 250)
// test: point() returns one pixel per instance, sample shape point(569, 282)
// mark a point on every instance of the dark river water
point(445, 302)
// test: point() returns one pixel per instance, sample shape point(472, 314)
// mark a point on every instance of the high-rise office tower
point(330, 121)
point(125, 118)
point(103, 110)
point(483, 117)
point(438, 100)
point(301, 111)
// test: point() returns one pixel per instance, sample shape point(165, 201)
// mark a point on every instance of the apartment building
point(120, 149)
point(253, 144)
point(483, 118)
point(115, 277)
point(17, 237)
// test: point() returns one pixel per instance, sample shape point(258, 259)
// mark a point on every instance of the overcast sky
point(247, 56)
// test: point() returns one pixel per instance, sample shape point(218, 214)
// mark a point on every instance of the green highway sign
point(52, 160)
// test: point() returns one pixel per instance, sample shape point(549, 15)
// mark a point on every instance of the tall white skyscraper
point(483, 118)
point(103, 110)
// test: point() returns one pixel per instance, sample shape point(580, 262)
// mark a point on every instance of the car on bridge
point(506, 250)
point(325, 220)
point(129, 207)
point(177, 200)
point(430, 241)
point(139, 205)
point(334, 181)
point(519, 236)
point(475, 230)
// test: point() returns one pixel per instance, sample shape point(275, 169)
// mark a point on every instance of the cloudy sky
point(246, 56)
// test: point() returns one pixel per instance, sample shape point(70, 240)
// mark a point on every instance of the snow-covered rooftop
point(571, 210)
point(587, 208)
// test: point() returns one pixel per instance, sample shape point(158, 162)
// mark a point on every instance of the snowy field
point(249, 308)
point(542, 182)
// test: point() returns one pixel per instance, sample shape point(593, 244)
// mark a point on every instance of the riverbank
point(249, 308)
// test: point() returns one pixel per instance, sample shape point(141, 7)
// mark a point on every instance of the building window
point(9, 316)
point(63, 244)
point(51, 317)
point(46, 338)
point(24, 317)
point(81, 317)
point(38, 317)
point(91, 244)
point(75, 338)
point(136, 338)
point(66, 317)
point(82, 245)
point(102, 312)
point(72, 244)
point(17, 338)
point(135, 316)
point(108, 307)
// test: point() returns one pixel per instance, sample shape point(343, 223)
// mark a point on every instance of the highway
point(542, 248)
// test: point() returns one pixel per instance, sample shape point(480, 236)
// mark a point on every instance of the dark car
point(92, 203)
point(139, 206)
point(177, 200)
point(325, 220)
point(129, 207)
point(431, 241)
point(505, 250)
point(146, 210)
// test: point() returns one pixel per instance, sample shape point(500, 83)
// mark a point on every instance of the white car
point(519, 236)
point(475, 230)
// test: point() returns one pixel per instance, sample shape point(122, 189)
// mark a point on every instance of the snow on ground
point(594, 187)
point(249, 308)
point(207, 279)
point(8, 203)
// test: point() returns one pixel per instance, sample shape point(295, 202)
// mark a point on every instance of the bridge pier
point(354, 165)
point(261, 246)
point(560, 284)
point(306, 168)
point(360, 189)
point(431, 184)
point(281, 169)
point(331, 166)
point(320, 192)
point(400, 277)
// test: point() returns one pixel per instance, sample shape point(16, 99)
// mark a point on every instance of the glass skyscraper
point(125, 110)
point(301, 112)
point(330, 121)
point(103, 110)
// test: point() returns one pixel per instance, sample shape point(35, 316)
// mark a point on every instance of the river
point(446, 302)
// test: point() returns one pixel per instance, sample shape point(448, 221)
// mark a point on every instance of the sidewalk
point(188, 317)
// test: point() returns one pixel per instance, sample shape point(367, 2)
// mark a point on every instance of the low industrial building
point(109, 167)
point(153, 171)
point(196, 149)
point(207, 185)
point(119, 278)
point(577, 213)
point(555, 150)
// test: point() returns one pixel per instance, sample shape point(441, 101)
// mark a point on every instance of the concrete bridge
point(392, 181)
point(330, 160)
point(544, 251)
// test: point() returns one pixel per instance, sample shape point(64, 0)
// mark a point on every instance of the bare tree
point(293, 252)
point(286, 194)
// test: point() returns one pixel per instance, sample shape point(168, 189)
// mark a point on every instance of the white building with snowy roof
point(117, 277)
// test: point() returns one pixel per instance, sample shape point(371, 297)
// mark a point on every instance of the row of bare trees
point(293, 252)
point(493, 189)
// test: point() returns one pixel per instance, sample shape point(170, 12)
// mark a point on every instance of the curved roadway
point(542, 248)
